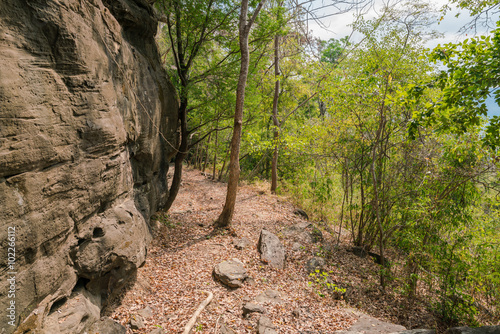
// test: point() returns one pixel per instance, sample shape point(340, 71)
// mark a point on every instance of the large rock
point(231, 273)
point(271, 250)
point(87, 124)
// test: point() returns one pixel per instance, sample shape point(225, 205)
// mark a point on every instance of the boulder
point(252, 308)
point(88, 125)
point(266, 326)
point(231, 273)
point(271, 250)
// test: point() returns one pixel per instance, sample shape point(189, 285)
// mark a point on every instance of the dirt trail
point(182, 256)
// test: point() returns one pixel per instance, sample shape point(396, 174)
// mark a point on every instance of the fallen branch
point(196, 314)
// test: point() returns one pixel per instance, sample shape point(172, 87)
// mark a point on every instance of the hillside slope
point(183, 254)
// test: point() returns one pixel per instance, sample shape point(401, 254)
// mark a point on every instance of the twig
point(196, 314)
point(217, 324)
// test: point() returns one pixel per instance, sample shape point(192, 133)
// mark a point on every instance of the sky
point(337, 26)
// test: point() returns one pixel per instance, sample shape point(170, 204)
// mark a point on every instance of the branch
point(196, 314)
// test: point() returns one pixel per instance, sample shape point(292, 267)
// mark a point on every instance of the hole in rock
point(98, 232)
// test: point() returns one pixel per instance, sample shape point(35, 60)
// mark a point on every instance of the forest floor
point(183, 253)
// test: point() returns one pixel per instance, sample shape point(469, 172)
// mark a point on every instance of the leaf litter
point(183, 253)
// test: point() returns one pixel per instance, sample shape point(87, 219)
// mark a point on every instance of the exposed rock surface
point(106, 325)
point(477, 330)
point(231, 273)
point(85, 115)
point(370, 325)
point(271, 250)
point(418, 331)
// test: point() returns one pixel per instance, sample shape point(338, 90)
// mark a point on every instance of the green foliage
point(470, 77)
point(321, 283)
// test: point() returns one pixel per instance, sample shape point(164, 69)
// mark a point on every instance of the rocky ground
point(178, 272)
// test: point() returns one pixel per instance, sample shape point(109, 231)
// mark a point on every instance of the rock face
point(271, 250)
point(87, 125)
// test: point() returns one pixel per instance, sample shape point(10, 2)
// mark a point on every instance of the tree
point(471, 76)
point(245, 24)
point(190, 26)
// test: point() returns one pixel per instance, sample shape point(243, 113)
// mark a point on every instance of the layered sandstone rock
point(87, 127)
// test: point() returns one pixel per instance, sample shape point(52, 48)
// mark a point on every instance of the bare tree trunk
point(274, 165)
point(226, 216)
point(222, 170)
point(215, 150)
point(206, 154)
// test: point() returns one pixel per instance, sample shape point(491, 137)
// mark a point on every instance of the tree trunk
point(206, 154)
point(179, 157)
point(226, 216)
point(215, 150)
point(274, 165)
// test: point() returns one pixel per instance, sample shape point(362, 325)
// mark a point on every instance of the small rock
point(136, 321)
point(315, 263)
point(271, 250)
point(252, 308)
point(146, 312)
point(296, 313)
point(250, 281)
point(224, 329)
point(231, 273)
point(302, 213)
point(157, 331)
point(269, 296)
point(241, 243)
point(296, 246)
point(266, 326)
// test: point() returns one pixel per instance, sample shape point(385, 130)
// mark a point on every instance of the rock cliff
point(87, 128)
